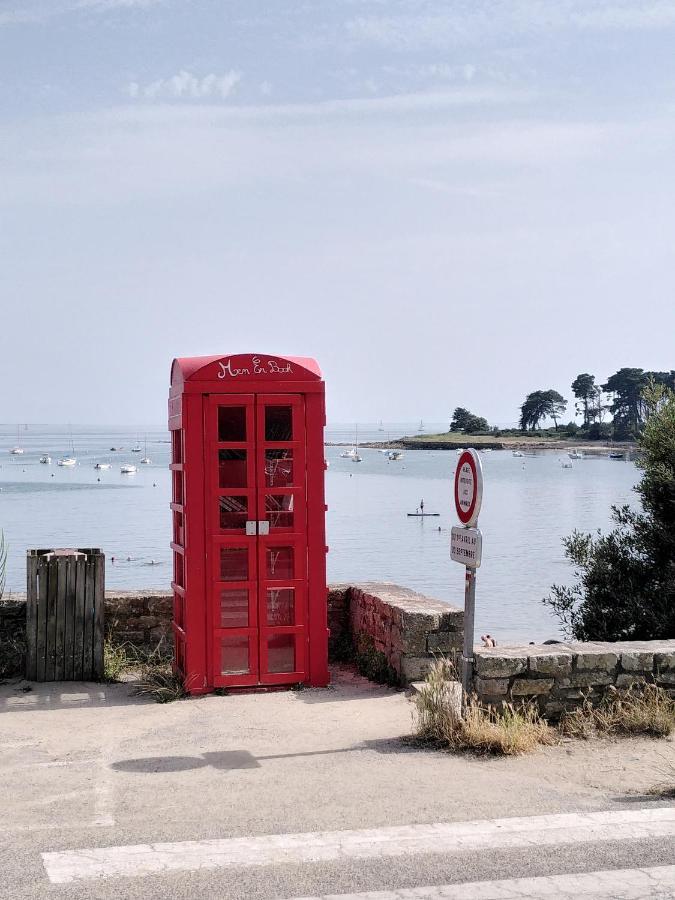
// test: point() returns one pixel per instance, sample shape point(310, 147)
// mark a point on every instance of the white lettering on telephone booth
point(255, 367)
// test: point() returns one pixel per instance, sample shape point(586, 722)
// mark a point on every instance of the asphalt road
point(88, 766)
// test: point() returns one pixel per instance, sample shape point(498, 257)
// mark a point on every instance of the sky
point(445, 202)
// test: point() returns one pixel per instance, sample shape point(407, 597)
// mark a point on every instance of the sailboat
point(353, 452)
point(146, 459)
point(69, 459)
point(420, 428)
point(18, 450)
point(380, 427)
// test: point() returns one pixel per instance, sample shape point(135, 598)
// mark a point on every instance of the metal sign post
point(469, 611)
point(467, 547)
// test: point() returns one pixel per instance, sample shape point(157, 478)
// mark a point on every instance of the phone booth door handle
point(251, 527)
point(263, 527)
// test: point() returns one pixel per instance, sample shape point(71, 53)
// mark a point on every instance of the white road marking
point(617, 884)
point(276, 849)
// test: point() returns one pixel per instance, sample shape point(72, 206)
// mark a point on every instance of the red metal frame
point(294, 506)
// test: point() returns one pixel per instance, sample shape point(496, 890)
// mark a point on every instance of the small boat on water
point(420, 427)
point(66, 461)
point(100, 465)
point(46, 460)
point(566, 465)
point(146, 459)
point(136, 449)
point(575, 454)
point(18, 450)
point(349, 454)
point(395, 455)
point(518, 453)
point(128, 470)
point(617, 454)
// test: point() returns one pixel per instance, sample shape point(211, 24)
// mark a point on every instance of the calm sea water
point(529, 504)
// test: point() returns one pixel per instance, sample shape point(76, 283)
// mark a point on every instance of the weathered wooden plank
point(52, 587)
point(88, 624)
point(99, 615)
point(60, 632)
point(69, 621)
point(78, 620)
point(31, 616)
point(41, 618)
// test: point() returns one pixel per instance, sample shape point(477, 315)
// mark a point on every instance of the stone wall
point(405, 627)
point(141, 618)
point(561, 676)
point(408, 628)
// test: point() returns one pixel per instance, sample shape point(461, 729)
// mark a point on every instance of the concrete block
point(414, 668)
point(664, 662)
point(626, 679)
point(557, 664)
point(493, 687)
point(664, 678)
point(591, 679)
point(596, 661)
point(531, 687)
point(443, 641)
point(502, 666)
point(635, 661)
point(569, 694)
point(452, 621)
point(413, 639)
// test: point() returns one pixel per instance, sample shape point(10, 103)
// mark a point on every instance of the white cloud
point(186, 86)
point(35, 12)
point(475, 21)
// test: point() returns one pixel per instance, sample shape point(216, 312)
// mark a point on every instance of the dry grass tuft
point(638, 709)
point(151, 671)
point(161, 683)
point(506, 731)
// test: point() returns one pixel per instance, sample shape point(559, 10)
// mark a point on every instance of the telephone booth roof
point(194, 373)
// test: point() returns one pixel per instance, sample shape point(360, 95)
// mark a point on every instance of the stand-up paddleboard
point(423, 515)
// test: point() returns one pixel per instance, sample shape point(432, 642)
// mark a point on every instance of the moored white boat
point(66, 461)
point(349, 454)
point(102, 465)
point(575, 454)
point(16, 450)
point(395, 455)
point(518, 453)
point(46, 459)
point(145, 461)
point(128, 470)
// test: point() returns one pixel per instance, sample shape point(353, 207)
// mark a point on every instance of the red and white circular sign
point(468, 487)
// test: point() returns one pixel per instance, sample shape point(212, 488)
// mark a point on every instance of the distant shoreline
point(483, 442)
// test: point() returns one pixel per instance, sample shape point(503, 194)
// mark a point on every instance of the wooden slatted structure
point(65, 615)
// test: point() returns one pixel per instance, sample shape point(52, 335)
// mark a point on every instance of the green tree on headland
point(628, 406)
point(467, 422)
point(541, 405)
point(626, 579)
point(588, 394)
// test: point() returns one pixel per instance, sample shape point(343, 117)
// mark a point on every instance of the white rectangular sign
point(466, 546)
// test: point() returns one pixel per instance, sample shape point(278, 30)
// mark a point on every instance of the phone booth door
point(256, 538)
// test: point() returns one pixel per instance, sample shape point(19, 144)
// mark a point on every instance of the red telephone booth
point(248, 508)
